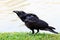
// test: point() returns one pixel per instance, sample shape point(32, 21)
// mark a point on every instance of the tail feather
point(51, 27)
point(53, 31)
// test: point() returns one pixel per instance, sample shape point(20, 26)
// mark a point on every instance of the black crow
point(33, 22)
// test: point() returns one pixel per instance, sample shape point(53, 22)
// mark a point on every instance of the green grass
point(28, 36)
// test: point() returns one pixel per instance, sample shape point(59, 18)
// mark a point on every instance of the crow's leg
point(37, 31)
point(32, 31)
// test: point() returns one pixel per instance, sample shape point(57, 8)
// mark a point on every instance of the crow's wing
point(36, 21)
point(42, 23)
point(33, 15)
point(31, 18)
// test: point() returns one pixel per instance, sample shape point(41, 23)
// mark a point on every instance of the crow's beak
point(15, 11)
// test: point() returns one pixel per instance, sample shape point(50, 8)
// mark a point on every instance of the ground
point(28, 36)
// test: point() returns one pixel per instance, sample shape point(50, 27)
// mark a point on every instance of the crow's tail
point(51, 30)
point(51, 27)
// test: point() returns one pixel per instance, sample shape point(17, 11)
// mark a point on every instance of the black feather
point(33, 22)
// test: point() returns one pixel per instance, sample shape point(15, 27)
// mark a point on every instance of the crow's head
point(20, 13)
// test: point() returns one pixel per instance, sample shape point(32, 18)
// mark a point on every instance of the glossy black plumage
point(33, 22)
